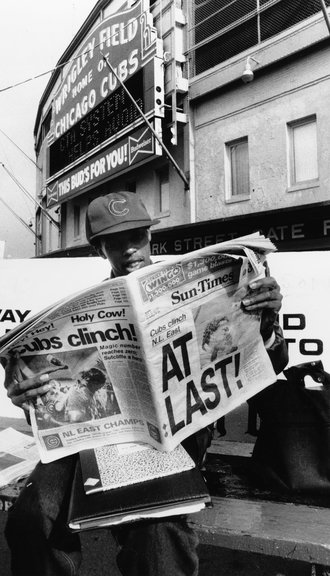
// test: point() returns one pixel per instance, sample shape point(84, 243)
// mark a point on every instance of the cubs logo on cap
point(116, 212)
point(118, 207)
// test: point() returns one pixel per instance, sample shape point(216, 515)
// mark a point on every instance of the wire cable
point(19, 218)
point(159, 140)
point(71, 60)
point(21, 187)
point(20, 149)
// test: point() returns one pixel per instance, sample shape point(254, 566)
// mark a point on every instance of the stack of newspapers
point(18, 455)
point(150, 359)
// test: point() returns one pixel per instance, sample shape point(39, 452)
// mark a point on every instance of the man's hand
point(265, 296)
point(22, 391)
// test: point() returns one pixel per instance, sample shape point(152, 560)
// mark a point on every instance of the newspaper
point(18, 455)
point(150, 357)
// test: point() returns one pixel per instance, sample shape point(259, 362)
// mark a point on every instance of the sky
point(34, 34)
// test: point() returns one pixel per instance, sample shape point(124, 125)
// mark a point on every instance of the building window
point(163, 199)
point(237, 170)
point(76, 222)
point(224, 28)
point(45, 128)
point(46, 125)
point(50, 236)
point(302, 151)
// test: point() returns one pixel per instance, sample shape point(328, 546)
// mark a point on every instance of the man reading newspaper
point(118, 226)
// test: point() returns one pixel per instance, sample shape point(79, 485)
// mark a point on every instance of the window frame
point(76, 221)
point(293, 183)
point(229, 196)
point(159, 175)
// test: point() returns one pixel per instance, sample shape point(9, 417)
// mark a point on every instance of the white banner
point(304, 278)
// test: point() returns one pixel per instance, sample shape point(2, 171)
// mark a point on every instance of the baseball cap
point(116, 212)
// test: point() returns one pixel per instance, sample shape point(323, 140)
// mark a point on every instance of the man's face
point(127, 251)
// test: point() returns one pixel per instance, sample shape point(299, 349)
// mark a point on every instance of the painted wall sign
point(129, 40)
point(130, 151)
point(307, 227)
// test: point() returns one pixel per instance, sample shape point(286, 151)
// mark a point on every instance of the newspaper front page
point(151, 357)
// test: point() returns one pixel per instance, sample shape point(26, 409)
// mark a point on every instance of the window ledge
point(165, 214)
point(304, 186)
point(238, 198)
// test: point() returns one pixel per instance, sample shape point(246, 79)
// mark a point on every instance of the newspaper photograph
point(151, 357)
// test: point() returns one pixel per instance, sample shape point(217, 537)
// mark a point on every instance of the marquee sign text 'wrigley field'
point(129, 40)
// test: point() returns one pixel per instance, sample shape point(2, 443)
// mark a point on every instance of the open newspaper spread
point(150, 357)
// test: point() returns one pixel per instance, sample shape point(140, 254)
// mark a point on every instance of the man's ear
point(99, 251)
point(149, 235)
